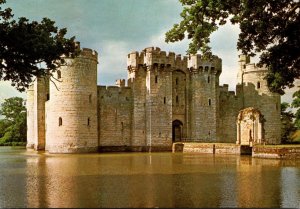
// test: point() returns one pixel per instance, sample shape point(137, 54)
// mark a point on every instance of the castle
point(167, 99)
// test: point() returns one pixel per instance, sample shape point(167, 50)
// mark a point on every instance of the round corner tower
point(257, 94)
point(71, 115)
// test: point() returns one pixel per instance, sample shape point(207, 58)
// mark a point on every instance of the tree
point(13, 127)
point(296, 104)
point(26, 46)
point(287, 125)
point(269, 27)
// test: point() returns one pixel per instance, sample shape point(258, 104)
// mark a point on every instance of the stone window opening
point(177, 99)
point(156, 79)
point(90, 98)
point(209, 102)
point(208, 79)
point(88, 121)
point(59, 121)
point(206, 68)
point(176, 81)
point(164, 100)
point(258, 85)
point(244, 66)
point(58, 74)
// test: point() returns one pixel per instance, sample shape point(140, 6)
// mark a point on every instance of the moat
point(38, 179)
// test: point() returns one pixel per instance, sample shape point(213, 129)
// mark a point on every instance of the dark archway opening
point(177, 130)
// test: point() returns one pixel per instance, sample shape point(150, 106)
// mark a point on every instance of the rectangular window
point(156, 79)
point(177, 99)
point(164, 100)
point(209, 102)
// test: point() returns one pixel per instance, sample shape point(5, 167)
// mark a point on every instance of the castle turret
point(204, 97)
point(72, 109)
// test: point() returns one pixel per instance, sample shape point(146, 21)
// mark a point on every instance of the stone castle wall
point(230, 104)
point(167, 98)
point(256, 94)
point(115, 108)
point(30, 116)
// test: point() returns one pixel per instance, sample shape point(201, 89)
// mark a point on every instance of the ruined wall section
point(115, 107)
point(204, 97)
point(256, 94)
point(72, 109)
point(230, 105)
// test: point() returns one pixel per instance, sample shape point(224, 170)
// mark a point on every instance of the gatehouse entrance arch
point(177, 130)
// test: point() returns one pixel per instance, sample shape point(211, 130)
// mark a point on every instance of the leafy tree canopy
point(296, 104)
point(287, 125)
point(13, 127)
point(269, 27)
point(25, 45)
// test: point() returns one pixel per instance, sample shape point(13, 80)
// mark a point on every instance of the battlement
point(89, 53)
point(224, 91)
point(153, 56)
point(113, 92)
point(200, 64)
point(120, 82)
point(251, 67)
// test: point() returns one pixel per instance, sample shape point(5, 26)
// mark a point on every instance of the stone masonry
point(167, 98)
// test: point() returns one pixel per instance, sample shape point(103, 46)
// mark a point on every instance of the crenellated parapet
point(89, 54)
point(198, 63)
point(154, 57)
point(252, 67)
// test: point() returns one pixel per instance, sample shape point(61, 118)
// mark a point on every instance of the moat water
point(38, 179)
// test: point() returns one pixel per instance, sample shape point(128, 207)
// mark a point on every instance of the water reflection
point(30, 179)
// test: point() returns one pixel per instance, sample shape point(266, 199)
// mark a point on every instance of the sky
point(115, 28)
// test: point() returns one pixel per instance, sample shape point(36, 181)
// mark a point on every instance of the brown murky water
point(30, 179)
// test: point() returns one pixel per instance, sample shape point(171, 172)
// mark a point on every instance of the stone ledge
point(210, 148)
point(134, 149)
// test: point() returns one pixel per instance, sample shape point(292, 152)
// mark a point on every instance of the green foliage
point(296, 104)
point(267, 26)
point(13, 127)
point(25, 45)
point(287, 125)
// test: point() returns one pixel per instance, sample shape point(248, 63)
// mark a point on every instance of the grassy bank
point(13, 144)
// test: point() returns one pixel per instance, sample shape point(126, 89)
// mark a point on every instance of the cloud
point(7, 91)
point(112, 62)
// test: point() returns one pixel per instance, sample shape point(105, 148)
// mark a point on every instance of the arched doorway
point(177, 130)
point(249, 127)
